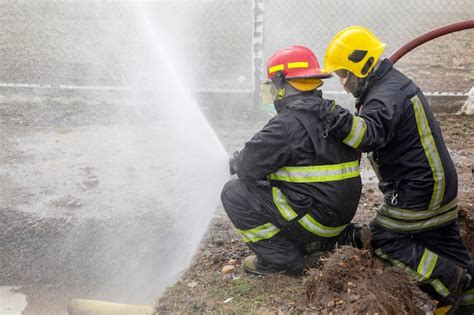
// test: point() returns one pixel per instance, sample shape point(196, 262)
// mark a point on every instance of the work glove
point(233, 163)
point(328, 111)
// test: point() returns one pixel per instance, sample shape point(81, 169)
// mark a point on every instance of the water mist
point(113, 189)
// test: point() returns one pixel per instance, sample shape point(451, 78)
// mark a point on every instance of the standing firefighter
point(296, 188)
point(416, 227)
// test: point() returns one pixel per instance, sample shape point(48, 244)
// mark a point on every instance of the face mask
point(349, 81)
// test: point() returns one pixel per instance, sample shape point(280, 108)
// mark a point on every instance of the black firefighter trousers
point(250, 206)
point(433, 257)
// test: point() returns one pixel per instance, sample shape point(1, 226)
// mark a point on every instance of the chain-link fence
point(219, 45)
point(237, 37)
point(314, 23)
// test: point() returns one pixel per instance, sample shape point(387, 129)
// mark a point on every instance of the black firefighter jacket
point(315, 173)
point(417, 175)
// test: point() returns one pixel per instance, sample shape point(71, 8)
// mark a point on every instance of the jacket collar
point(373, 78)
point(304, 100)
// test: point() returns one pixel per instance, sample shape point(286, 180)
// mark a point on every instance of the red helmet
point(295, 62)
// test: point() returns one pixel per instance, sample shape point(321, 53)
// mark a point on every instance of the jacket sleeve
point(368, 131)
point(267, 151)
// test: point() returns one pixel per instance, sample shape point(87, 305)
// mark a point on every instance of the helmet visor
point(268, 92)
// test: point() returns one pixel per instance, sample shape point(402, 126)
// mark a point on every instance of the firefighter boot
point(452, 300)
point(252, 265)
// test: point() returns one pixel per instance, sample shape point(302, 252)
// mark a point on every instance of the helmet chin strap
point(362, 83)
point(278, 79)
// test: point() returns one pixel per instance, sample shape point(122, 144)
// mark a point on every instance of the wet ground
point(91, 196)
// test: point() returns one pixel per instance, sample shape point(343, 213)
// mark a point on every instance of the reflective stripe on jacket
point(316, 178)
point(395, 122)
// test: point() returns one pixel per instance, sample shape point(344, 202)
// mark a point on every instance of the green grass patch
point(243, 286)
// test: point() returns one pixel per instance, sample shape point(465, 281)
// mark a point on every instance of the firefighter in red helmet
point(297, 187)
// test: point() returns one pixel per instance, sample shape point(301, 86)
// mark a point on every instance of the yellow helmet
point(354, 49)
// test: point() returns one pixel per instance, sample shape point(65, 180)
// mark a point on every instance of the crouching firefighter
point(416, 227)
point(297, 187)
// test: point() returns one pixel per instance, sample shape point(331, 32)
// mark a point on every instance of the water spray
point(80, 307)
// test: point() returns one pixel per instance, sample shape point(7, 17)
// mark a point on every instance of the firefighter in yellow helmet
point(296, 192)
point(417, 224)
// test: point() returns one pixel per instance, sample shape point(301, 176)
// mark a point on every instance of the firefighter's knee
point(231, 191)
point(235, 198)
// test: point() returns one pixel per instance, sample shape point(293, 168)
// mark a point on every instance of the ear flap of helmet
point(307, 84)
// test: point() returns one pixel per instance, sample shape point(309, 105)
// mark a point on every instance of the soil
point(351, 281)
point(348, 281)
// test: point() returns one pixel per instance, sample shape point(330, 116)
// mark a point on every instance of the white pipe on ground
point(90, 307)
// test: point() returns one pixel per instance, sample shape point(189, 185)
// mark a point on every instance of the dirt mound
point(353, 282)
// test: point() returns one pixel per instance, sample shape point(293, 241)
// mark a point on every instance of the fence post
point(257, 49)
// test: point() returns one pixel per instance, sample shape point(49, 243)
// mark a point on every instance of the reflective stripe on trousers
point(307, 221)
point(317, 173)
point(467, 298)
point(259, 233)
point(313, 226)
point(424, 270)
point(281, 202)
point(427, 263)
